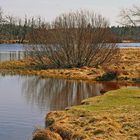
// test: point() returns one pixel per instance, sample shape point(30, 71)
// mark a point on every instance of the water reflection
point(11, 55)
point(57, 94)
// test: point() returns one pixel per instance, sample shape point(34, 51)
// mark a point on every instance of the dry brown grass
point(129, 65)
point(42, 134)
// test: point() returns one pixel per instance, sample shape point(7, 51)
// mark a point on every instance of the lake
point(24, 101)
point(128, 45)
point(16, 51)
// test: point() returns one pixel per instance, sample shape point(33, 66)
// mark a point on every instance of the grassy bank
point(127, 69)
point(12, 41)
point(113, 116)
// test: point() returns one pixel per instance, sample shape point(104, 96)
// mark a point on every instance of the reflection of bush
point(56, 94)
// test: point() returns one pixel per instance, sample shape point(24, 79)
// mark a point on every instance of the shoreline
point(68, 74)
point(93, 119)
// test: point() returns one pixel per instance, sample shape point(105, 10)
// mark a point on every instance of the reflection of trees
point(56, 94)
point(11, 55)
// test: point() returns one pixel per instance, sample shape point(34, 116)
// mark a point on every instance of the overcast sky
point(49, 9)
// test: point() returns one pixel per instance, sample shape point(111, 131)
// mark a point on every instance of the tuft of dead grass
point(42, 134)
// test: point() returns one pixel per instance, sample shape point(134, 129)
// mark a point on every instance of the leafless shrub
point(131, 16)
point(75, 39)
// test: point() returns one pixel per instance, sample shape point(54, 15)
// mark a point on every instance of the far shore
point(127, 69)
point(15, 41)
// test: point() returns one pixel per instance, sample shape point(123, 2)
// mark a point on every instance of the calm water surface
point(24, 101)
point(128, 45)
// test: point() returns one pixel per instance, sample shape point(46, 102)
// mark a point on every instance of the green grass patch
point(127, 99)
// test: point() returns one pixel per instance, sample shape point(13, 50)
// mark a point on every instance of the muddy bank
point(115, 115)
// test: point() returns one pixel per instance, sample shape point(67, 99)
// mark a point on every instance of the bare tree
point(131, 16)
point(75, 39)
point(1, 15)
point(1, 21)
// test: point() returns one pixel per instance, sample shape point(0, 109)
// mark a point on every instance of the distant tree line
point(13, 28)
point(131, 33)
point(22, 30)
